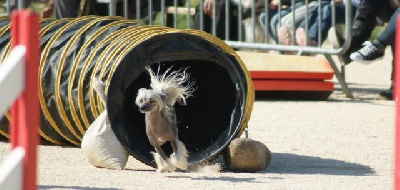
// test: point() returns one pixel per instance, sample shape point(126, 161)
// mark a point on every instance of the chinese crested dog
point(157, 104)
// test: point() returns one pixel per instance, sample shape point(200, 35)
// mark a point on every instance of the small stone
point(244, 154)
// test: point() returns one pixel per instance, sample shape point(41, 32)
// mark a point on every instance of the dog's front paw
point(179, 161)
point(163, 165)
point(166, 168)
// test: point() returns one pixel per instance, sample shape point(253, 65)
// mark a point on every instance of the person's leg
point(100, 9)
point(27, 3)
point(375, 50)
point(234, 24)
point(296, 15)
point(313, 23)
point(277, 18)
point(293, 17)
point(285, 29)
point(386, 37)
point(66, 8)
point(363, 25)
point(326, 21)
point(274, 23)
point(388, 94)
point(219, 21)
point(264, 20)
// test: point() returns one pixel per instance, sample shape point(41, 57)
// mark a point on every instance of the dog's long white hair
point(167, 89)
point(174, 84)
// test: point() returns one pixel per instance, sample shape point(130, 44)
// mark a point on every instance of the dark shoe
point(368, 53)
point(386, 95)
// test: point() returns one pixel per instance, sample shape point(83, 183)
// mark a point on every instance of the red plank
point(276, 66)
point(290, 75)
point(292, 85)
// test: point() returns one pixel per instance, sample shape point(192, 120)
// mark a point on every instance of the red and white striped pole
point(397, 111)
point(25, 121)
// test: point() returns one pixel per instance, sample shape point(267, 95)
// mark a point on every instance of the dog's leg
point(163, 163)
point(179, 156)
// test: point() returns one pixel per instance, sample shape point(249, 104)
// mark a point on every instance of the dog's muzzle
point(144, 108)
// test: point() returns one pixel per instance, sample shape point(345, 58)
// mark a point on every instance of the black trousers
point(364, 22)
point(70, 8)
point(220, 21)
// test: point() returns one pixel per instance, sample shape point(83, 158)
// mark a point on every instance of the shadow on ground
point(73, 187)
point(360, 91)
point(284, 163)
point(220, 178)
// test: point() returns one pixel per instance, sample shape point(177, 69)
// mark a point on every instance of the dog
point(157, 104)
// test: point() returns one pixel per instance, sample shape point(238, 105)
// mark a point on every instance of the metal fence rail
point(251, 35)
point(241, 17)
point(247, 11)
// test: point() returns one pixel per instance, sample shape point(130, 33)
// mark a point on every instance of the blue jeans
point(326, 20)
point(274, 16)
point(387, 35)
point(264, 20)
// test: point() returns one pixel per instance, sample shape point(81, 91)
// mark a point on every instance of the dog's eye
point(152, 101)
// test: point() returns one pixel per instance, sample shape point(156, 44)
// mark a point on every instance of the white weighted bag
point(99, 144)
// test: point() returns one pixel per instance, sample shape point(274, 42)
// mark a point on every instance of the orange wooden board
point(275, 66)
point(292, 85)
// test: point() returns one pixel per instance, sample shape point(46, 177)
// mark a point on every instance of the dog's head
point(149, 100)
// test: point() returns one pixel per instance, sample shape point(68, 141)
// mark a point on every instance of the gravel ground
point(340, 143)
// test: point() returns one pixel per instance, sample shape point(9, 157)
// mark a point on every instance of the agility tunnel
point(117, 51)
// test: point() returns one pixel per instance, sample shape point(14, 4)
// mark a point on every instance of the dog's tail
point(99, 87)
point(174, 84)
point(179, 158)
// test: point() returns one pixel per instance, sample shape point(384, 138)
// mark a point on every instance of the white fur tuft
point(162, 165)
point(99, 87)
point(174, 84)
point(179, 158)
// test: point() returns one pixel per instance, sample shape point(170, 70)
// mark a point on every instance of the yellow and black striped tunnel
point(117, 51)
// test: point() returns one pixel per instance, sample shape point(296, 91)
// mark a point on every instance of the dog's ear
point(141, 90)
point(164, 98)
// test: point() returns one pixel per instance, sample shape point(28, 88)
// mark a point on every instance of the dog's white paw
point(166, 168)
point(179, 158)
point(162, 165)
point(180, 161)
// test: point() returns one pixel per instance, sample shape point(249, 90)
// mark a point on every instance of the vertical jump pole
point(24, 122)
point(397, 103)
